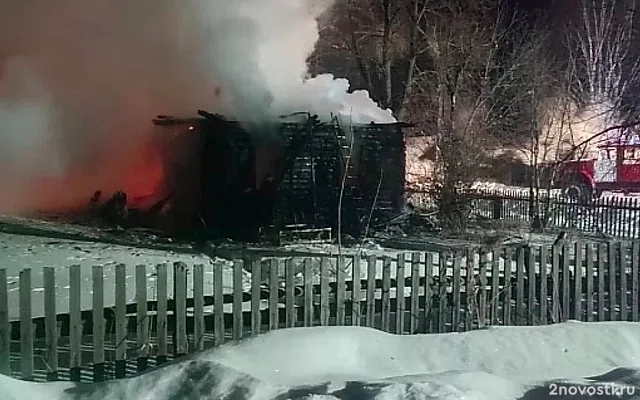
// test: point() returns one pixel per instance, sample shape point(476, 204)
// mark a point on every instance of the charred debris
point(276, 181)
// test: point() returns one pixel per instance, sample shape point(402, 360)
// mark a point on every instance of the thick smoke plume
point(80, 81)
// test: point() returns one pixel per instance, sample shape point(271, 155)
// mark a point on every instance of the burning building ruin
point(231, 179)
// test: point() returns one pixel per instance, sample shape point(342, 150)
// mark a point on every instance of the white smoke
point(80, 81)
point(259, 49)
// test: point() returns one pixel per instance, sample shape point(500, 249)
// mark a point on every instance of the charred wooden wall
point(247, 182)
point(373, 190)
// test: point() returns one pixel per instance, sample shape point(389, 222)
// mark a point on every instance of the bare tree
point(380, 41)
point(602, 42)
point(478, 59)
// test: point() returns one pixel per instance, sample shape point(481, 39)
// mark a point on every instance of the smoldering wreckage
point(299, 178)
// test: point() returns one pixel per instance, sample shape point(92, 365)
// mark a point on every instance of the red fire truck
point(615, 167)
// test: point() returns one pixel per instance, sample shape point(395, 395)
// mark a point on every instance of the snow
point(18, 252)
point(361, 363)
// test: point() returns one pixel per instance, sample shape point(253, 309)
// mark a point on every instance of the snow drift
point(360, 363)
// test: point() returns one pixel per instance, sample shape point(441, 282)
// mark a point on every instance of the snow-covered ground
point(18, 252)
point(358, 363)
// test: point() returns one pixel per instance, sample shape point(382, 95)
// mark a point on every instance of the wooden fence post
point(577, 285)
point(50, 325)
point(428, 293)
point(371, 290)
point(341, 295)
point(601, 272)
point(544, 296)
point(506, 304)
point(238, 290)
point(98, 323)
point(386, 293)
point(400, 305)
point(613, 293)
point(566, 282)
point(142, 319)
point(5, 326)
point(274, 289)
point(218, 304)
point(589, 280)
point(255, 266)
point(308, 293)
point(415, 293)
point(555, 278)
point(355, 293)
point(520, 270)
point(324, 291)
point(161, 309)
point(121, 320)
point(26, 326)
point(442, 292)
point(457, 269)
point(635, 283)
point(75, 323)
point(180, 278)
point(198, 307)
point(289, 287)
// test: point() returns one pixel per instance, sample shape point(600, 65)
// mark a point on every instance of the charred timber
point(236, 178)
